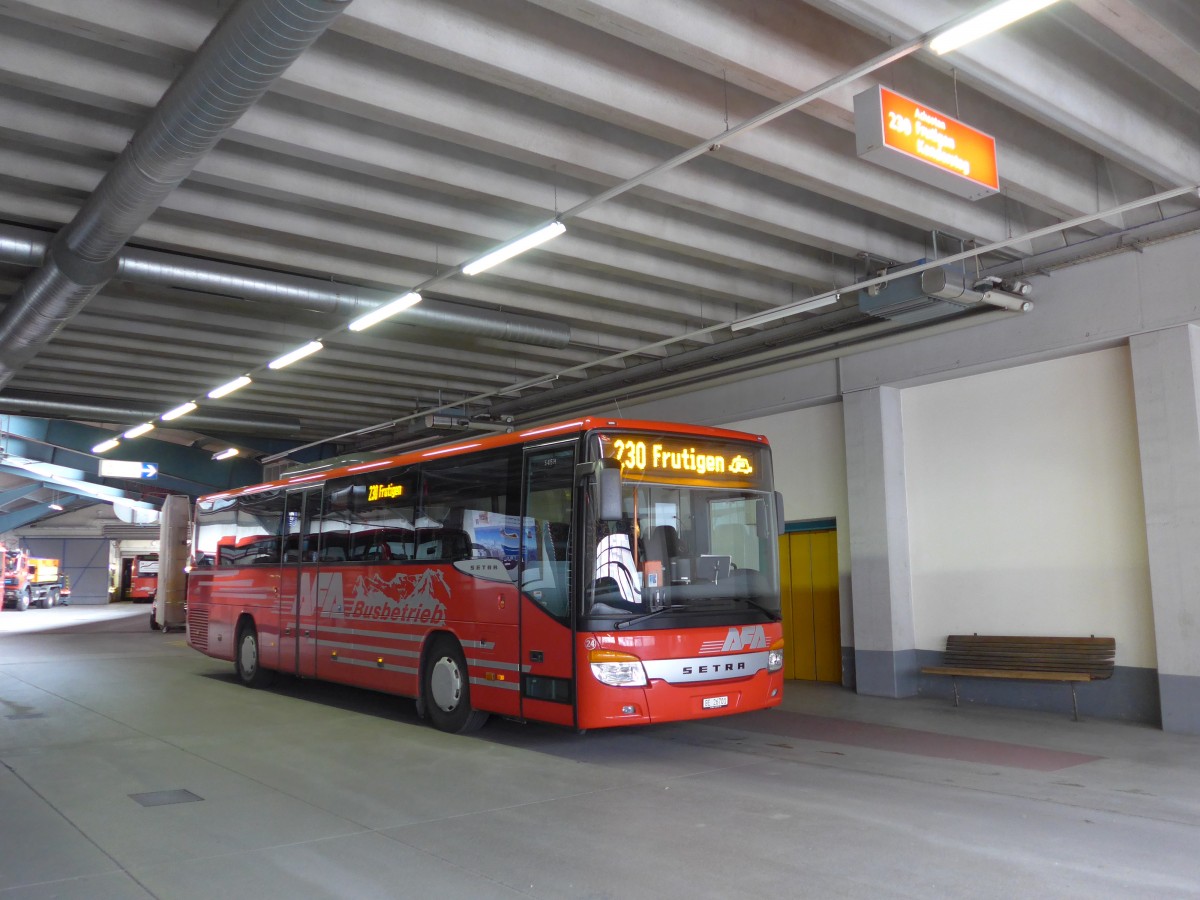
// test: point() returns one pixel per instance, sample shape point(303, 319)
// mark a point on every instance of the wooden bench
point(1063, 659)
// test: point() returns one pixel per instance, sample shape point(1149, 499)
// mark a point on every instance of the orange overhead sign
point(912, 138)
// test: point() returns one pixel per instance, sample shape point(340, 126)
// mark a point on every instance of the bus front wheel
point(447, 689)
point(249, 668)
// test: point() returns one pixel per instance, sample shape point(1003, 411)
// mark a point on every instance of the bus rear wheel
point(447, 689)
point(246, 661)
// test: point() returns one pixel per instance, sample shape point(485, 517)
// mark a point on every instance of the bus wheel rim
point(249, 654)
point(446, 684)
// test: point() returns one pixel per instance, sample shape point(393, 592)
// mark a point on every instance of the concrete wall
point(1025, 505)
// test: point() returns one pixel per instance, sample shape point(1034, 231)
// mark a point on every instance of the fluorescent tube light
point(782, 312)
point(991, 19)
point(412, 298)
point(57, 506)
point(105, 446)
point(511, 249)
point(229, 388)
point(138, 431)
point(288, 358)
point(178, 411)
point(226, 454)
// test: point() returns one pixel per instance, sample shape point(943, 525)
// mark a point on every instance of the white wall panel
point(1025, 505)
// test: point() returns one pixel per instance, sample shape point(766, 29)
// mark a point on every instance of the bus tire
point(447, 689)
point(23, 600)
point(246, 659)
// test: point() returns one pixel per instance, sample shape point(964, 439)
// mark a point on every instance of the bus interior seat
point(456, 544)
point(663, 543)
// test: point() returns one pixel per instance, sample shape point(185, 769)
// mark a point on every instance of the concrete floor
point(309, 790)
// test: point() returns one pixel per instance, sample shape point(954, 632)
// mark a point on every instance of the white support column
point(1166, 381)
point(884, 636)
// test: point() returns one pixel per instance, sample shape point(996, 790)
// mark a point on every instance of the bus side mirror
point(761, 517)
point(609, 482)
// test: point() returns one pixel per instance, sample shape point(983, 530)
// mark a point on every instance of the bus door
point(299, 585)
point(547, 657)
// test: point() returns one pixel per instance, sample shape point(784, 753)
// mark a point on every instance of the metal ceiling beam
point(66, 445)
point(19, 518)
point(93, 487)
point(18, 493)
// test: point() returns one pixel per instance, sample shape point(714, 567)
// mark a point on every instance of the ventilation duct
point(26, 247)
point(250, 47)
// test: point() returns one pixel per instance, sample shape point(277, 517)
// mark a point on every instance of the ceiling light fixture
point(138, 431)
point(512, 248)
point(412, 298)
point(782, 312)
point(288, 358)
point(229, 387)
point(179, 411)
point(55, 506)
point(227, 453)
point(991, 19)
point(105, 446)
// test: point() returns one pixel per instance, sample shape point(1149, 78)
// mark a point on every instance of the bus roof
point(580, 425)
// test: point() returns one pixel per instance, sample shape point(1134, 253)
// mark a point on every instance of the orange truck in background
point(30, 580)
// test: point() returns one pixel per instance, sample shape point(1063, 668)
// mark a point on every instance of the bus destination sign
point(682, 459)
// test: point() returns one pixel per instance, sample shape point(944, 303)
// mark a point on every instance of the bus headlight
point(775, 656)
point(612, 667)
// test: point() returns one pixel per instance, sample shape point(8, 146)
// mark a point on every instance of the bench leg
point(954, 682)
point(1074, 702)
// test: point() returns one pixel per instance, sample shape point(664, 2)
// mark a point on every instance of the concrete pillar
point(885, 656)
point(171, 594)
point(1166, 383)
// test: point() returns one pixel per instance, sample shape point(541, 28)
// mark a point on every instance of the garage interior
point(983, 406)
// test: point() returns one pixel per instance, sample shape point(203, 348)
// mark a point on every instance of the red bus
point(593, 573)
point(143, 577)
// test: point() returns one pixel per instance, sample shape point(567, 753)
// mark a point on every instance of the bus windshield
point(689, 541)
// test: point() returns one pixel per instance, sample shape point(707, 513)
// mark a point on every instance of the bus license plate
point(714, 702)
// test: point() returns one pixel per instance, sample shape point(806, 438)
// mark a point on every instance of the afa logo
point(750, 637)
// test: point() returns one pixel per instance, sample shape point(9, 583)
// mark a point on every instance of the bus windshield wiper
point(650, 615)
